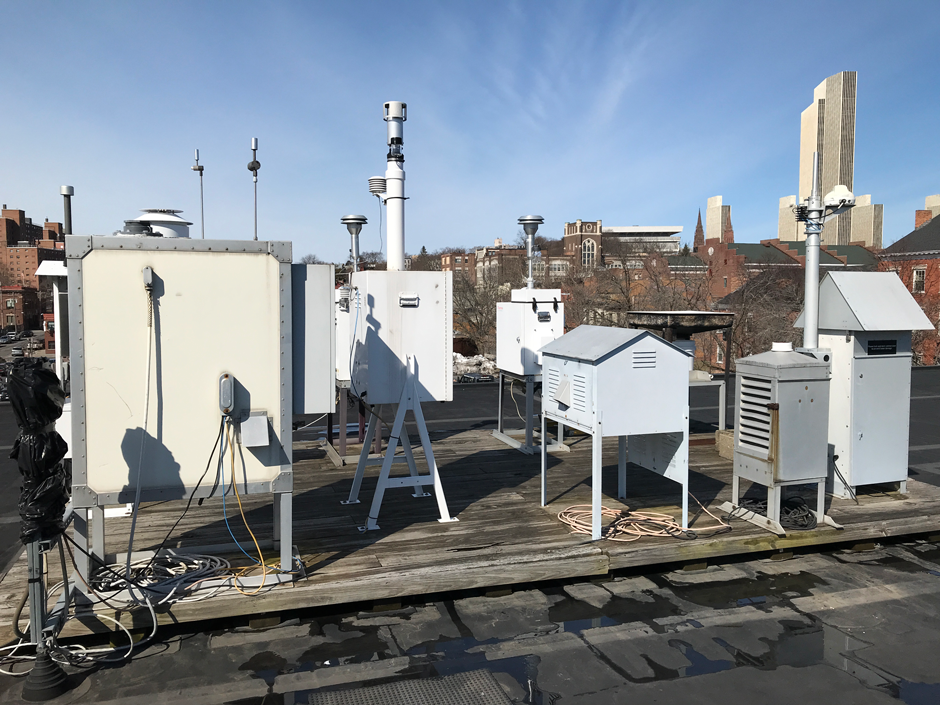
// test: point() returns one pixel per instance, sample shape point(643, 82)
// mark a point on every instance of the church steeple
point(699, 240)
point(728, 235)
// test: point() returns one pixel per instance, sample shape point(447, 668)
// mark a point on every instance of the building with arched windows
point(591, 244)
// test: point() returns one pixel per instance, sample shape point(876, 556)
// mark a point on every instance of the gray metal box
point(637, 382)
point(865, 320)
point(314, 338)
point(780, 432)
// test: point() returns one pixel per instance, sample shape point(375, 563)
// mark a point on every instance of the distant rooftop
point(641, 230)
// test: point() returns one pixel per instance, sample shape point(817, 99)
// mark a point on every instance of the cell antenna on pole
point(253, 167)
point(202, 208)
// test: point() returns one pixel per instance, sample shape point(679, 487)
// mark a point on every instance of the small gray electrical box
point(780, 435)
point(254, 430)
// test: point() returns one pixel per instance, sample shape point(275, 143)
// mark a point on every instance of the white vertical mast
point(395, 116)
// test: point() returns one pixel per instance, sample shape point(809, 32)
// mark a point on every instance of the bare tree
point(311, 259)
point(765, 306)
point(372, 259)
point(475, 309)
point(425, 261)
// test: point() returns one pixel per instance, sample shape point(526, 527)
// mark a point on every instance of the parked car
point(34, 345)
point(4, 395)
point(4, 339)
point(24, 334)
point(16, 352)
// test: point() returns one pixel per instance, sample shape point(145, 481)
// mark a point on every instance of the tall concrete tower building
point(827, 126)
point(717, 219)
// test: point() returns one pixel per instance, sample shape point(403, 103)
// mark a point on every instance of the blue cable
point(225, 514)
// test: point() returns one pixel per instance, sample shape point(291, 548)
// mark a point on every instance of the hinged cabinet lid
point(867, 301)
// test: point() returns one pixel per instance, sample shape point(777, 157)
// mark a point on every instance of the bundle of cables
point(795, 514)
point(144, 584)
point(626, 525)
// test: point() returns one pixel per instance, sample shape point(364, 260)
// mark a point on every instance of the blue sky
point(633, 113)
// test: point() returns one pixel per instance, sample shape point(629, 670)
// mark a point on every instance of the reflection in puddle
point(760, 642)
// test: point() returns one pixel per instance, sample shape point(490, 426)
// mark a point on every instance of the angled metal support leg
point(372, 523)
point(432, 463)
point(363, 461)
point(409, 401)
point(412, 467)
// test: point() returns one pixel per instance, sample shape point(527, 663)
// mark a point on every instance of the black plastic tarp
point(37, 398)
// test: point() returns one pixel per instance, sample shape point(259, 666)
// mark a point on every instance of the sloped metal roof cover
point(867, 301)
point(591, 343)
point(783, 359)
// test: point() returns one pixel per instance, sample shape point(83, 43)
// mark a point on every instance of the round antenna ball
point(353, 223)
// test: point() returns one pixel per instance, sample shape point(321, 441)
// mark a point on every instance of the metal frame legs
point(399, 435)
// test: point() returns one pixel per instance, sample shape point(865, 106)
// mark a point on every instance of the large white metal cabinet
point(626, 383)
point(533, 318)
point(395, 315)
point(865, 320)
point(219, 306)
point(313, 338)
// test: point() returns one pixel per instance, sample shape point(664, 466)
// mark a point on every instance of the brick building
point(48, 333)
point(20, 307)
point(23, 245)
point(590, 244)
point(460, 263)
point(916, 259)
point(730, 264)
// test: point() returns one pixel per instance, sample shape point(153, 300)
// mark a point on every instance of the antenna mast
point(253, 167)
point(202, 207)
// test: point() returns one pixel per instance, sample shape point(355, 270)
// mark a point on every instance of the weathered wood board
point(503, 536)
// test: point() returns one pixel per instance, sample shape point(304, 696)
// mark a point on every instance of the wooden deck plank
point(503, 536)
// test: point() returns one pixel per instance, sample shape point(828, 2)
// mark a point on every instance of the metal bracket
point(77, 246)
point(282, 251)
point(83, 497)
point(284, 482)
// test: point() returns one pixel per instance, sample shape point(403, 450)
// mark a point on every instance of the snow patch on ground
point(476, 363)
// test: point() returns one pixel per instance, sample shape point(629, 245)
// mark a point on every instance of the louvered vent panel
point(554, 377)
point(579, 392)
point(644, 359)
point(754, 416)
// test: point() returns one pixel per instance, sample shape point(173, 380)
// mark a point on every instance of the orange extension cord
point(632, 526)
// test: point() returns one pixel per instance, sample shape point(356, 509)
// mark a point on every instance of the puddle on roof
point(746, 591)
point(799, 644)
point(572, 615)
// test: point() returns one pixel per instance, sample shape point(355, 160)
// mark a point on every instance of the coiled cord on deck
point(629, 525)
point(795, 514)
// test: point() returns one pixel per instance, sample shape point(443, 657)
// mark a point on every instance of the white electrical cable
point(143, 434)
point(352, 347)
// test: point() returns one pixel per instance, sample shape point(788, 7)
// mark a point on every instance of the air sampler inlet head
point(353, 223)
point(530, 223)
